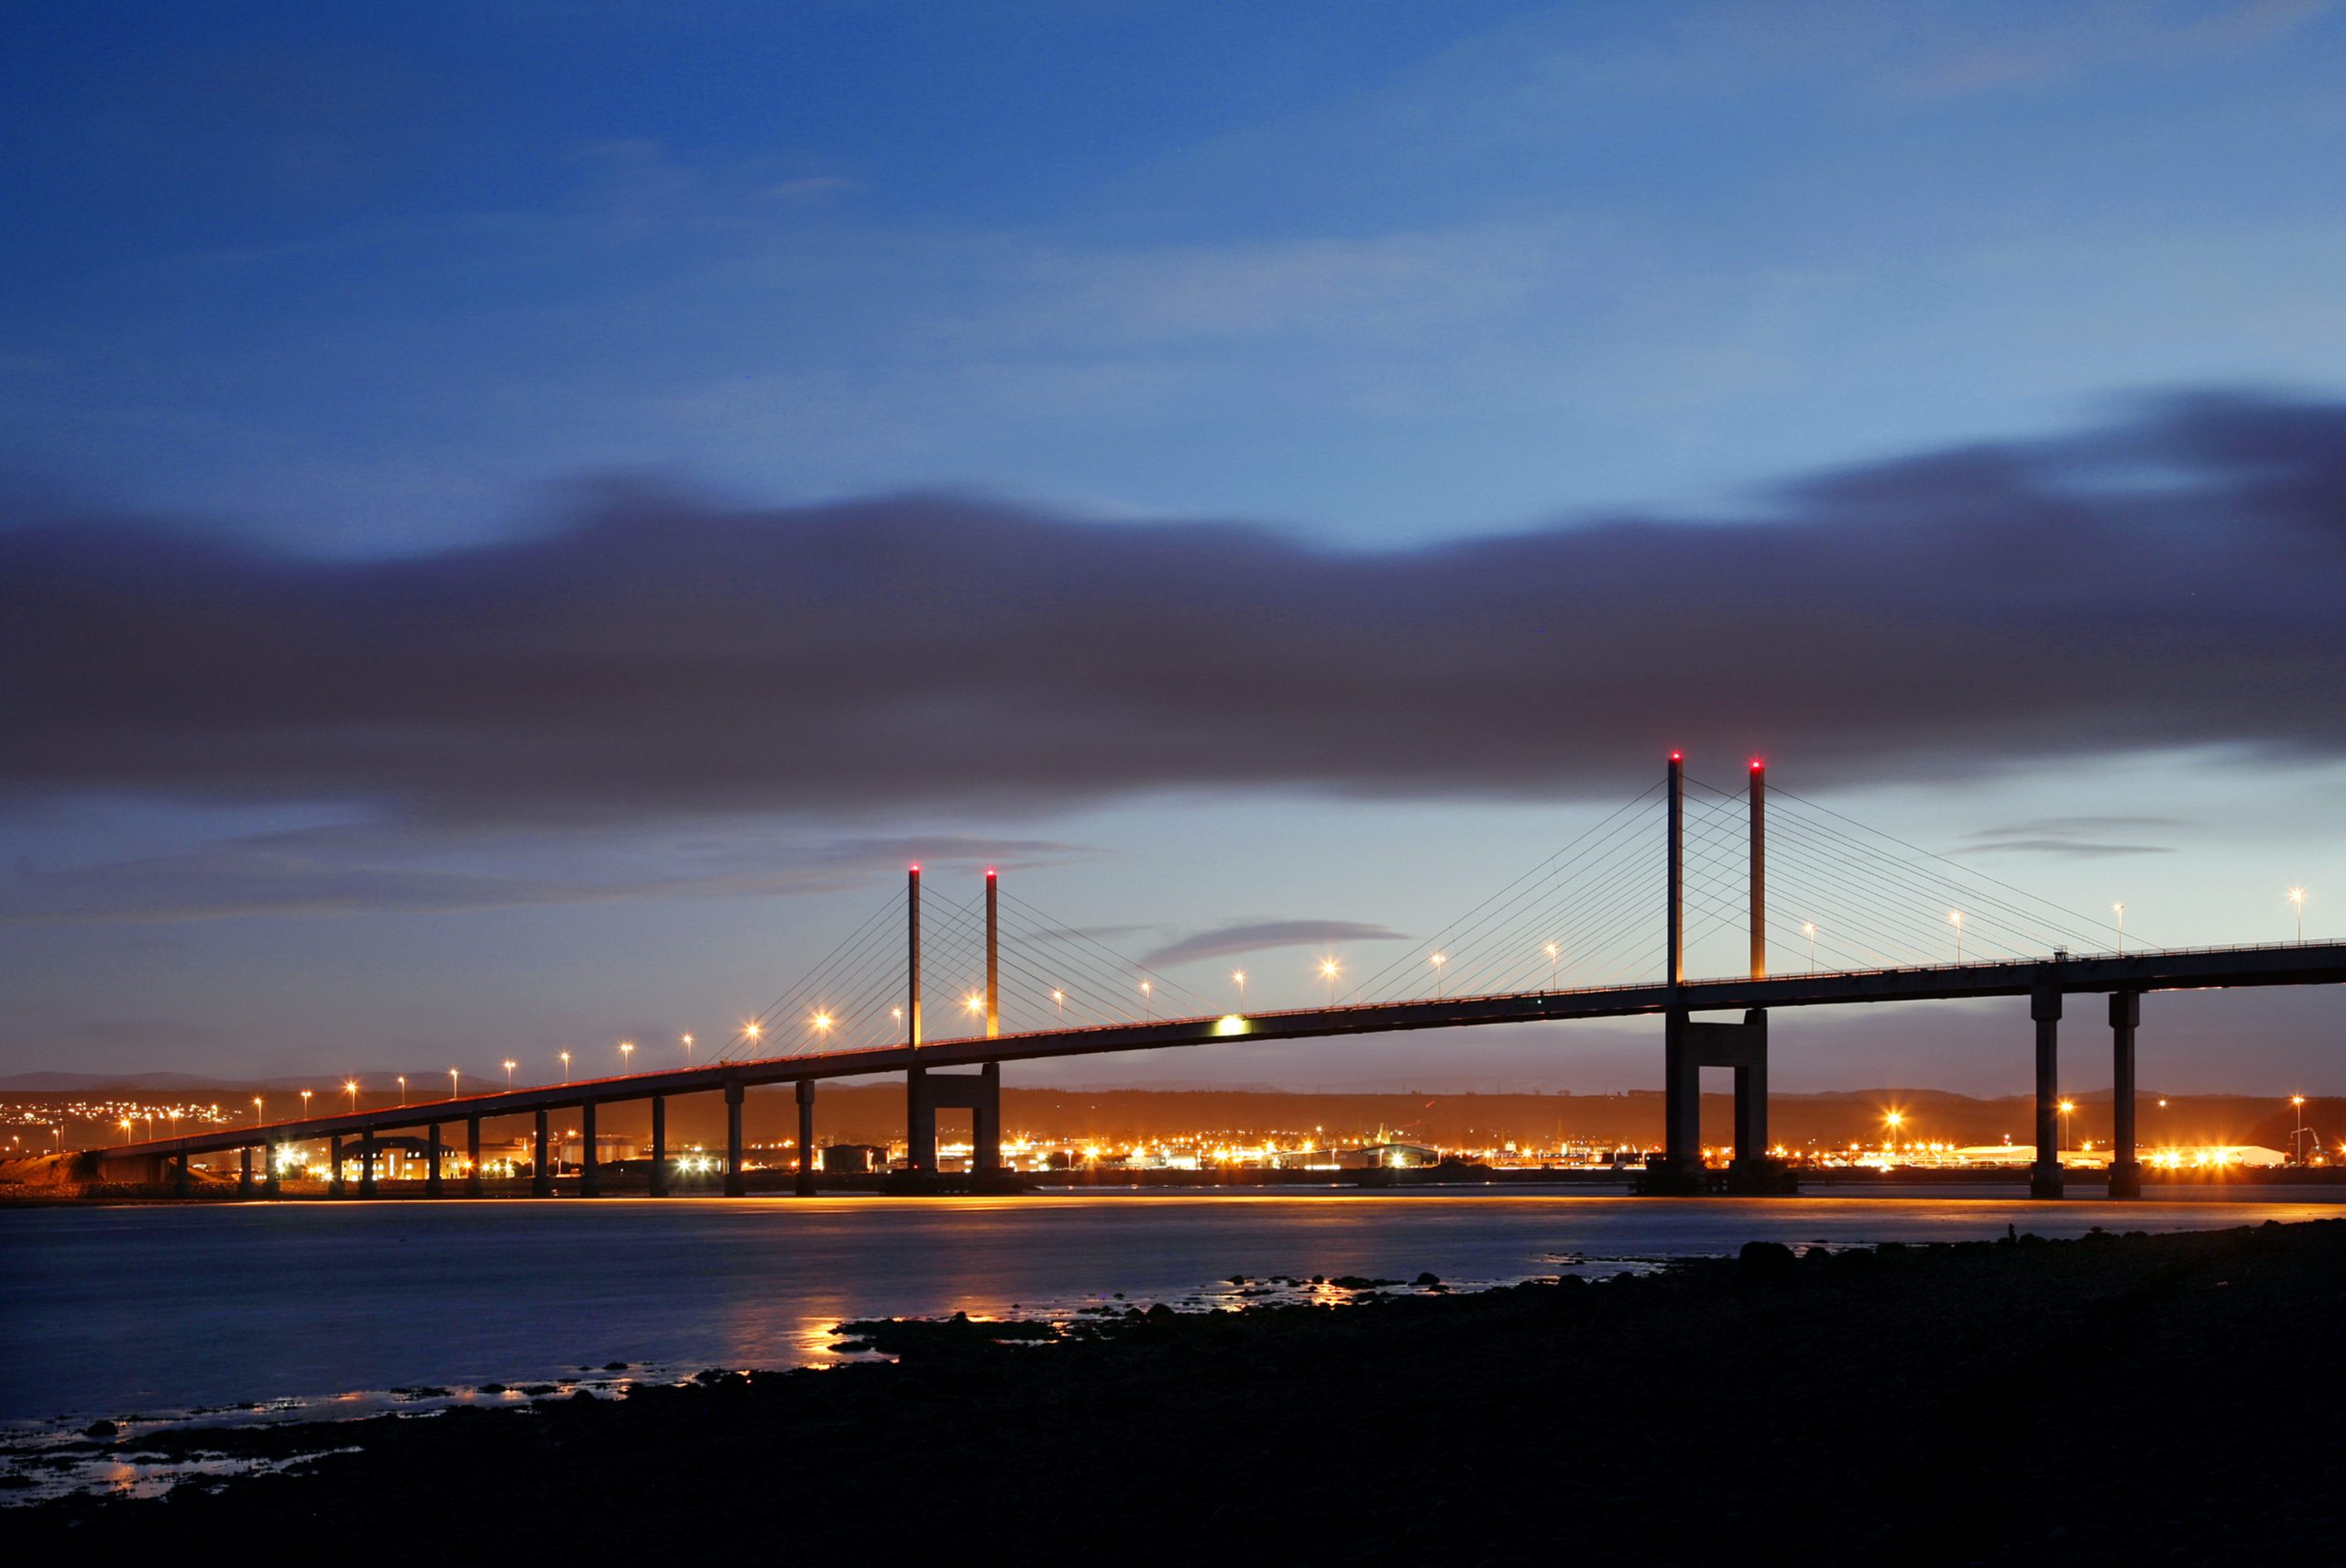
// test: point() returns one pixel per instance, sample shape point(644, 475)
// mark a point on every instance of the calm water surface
point(151, 1310)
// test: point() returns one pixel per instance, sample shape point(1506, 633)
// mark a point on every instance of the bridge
point(862, 1011)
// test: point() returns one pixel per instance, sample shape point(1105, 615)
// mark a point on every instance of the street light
point(1808, 929)
point(1238, 977)
point(1148, 998)
point(126, 1132)
point(509, 1078)
point(1552, 950)
point(351, 1089)
point(305, 1105)
point(2122, 926)
point(626, 1054)
point(1895, 1120)
point(2297, 897)
point(2297, 1137)
point(1328, 967)
point(688, 1052)
point(402, 1088)
point(452, 1083)
point(1955, 918)
point(256, 1109)
point(1439, 959)
point(1059, 1000)
point(898, 1014)
point(2069, 1107)
point(565, 1065)
point(753, 1029)
point(822, 1022)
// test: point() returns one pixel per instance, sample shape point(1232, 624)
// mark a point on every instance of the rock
point(1426, 1279)
point(101, 1428)
point(1765, 1262)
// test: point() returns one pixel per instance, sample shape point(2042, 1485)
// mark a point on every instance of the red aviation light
point(989, 874)
point(1756, 765)
point(1677, 756)
point(916, 865)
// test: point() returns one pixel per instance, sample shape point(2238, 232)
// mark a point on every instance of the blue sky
point(1380, 282)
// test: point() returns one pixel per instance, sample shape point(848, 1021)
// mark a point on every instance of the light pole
point(1147, 1000)
point(1439, 959)
point(1955, 918)
point(126, 1122)
point(1238, 977)
point(688, 1053)
point(256, 1109)
point(453, 1090)
point(509, 1078)
point(2297, 897)
point(898, 1014)
point(565, 1065)
point(1894, 1120)
point(1808, 929)
point(1328, 967)
point(402, 1088)
point(1059, 1000)
point(822, 1022)
point(2297, 1137)
point(2069, 1107)
point(2122, 926)
point(626, 1054)
point(753, 1029)
point(1552, 950)
point(305, 1104)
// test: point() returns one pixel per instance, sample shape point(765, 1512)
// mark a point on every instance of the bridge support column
point(735, 1185)
point(986, 1122)
point(432, 1182)
point(541, 1167)
point(2125, 1170)
point(366, 1163)
point(180, 1177)
point(335, 1187)
point(472, 1157)
point(1688, 1048)
point(659, 1146)
point(272, 1184)
point(244, 1171)
point(806, 1137)
point(590, 1169)
point(2044, 1175)
point(920, 1123)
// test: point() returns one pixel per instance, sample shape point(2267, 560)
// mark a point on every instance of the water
point(150, 1311)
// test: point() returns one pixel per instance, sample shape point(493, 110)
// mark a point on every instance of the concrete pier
point(541, 1165)
point(366, 1163)
point(334, 1167)
point(805, 1137)
point(472, 1157)
point(659, 1188)
point(433, 1186)
point(590, 1167)
point(244, 1171)
point(2045, 1179)
point(735, 1185)
point(2125, 1170)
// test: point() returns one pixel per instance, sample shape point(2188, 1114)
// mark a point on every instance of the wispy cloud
point(1230, 941)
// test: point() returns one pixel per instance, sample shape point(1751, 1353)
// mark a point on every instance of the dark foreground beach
point(2145, 1399)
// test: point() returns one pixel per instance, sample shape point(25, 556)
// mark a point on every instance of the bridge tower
point(928, 1093)
point(1689, 1046)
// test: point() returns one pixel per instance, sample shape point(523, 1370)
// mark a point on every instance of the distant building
point(853, 1159)
point(1389, 1157)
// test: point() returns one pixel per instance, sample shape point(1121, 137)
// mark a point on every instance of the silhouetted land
point(2135, 1399)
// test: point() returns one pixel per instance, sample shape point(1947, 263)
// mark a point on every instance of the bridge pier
point(735, 1185)
point(1688, 1046)
point(2125, 1170)
point(2045, 1179)
point(979, 1093)
point(431, 1185)
point(366, 1163)
point(659, 1146)
point(335, 1187)
point(273, 1183)
point(805, 1137)
point(590, 1169)
point(180, 1176)
point(472, 1157)
point(541, 1172)
point(244, 1171)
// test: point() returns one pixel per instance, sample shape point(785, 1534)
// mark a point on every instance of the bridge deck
point(2310, 963)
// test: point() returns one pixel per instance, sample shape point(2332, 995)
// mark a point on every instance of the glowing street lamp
point(822, 1022)
point(1808, 929)
point(898, 1014)
point(452, 1083)
point(2297, 1138)
point(1148, 998)
point(626, 1054)
point(1552, 951)
point(350, 1088)
point(1437, 960)
point(688, 1051)
point(402, 1088)
point(305, 1104)
point(2068, 1108)
point(2121, 910)
point(1059, 1000)
point(753, 1029)
point(126, 1132)
point(509, 1078)
point(256, 1109)
point(1955, 918)
point(565, 1065)
point(1329, 970)
point(1238, 977)
point(1894, 1120)
point(2297, 897)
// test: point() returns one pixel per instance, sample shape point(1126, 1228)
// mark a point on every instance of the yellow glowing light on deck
point(973, 1001)
point(822, 1022)
point(1231, 1024)
point(753, 1030)
point(2067, 1106)
point(1328, 968)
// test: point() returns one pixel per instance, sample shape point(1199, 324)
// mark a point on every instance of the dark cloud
point(2070, 836)
point(2174, 581)
point(1228, 941)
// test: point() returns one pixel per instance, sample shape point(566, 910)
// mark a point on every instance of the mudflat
point(2136, 1398)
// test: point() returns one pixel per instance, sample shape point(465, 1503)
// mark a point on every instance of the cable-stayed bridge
point(1821, 911)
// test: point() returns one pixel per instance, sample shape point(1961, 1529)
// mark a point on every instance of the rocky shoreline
point(2119, 1398)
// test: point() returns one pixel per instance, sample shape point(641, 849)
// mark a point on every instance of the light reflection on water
point(150, 1310)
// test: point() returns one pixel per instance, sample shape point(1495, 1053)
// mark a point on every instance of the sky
point(518, 521)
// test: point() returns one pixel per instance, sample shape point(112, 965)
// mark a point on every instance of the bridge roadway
point(2118, 974)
